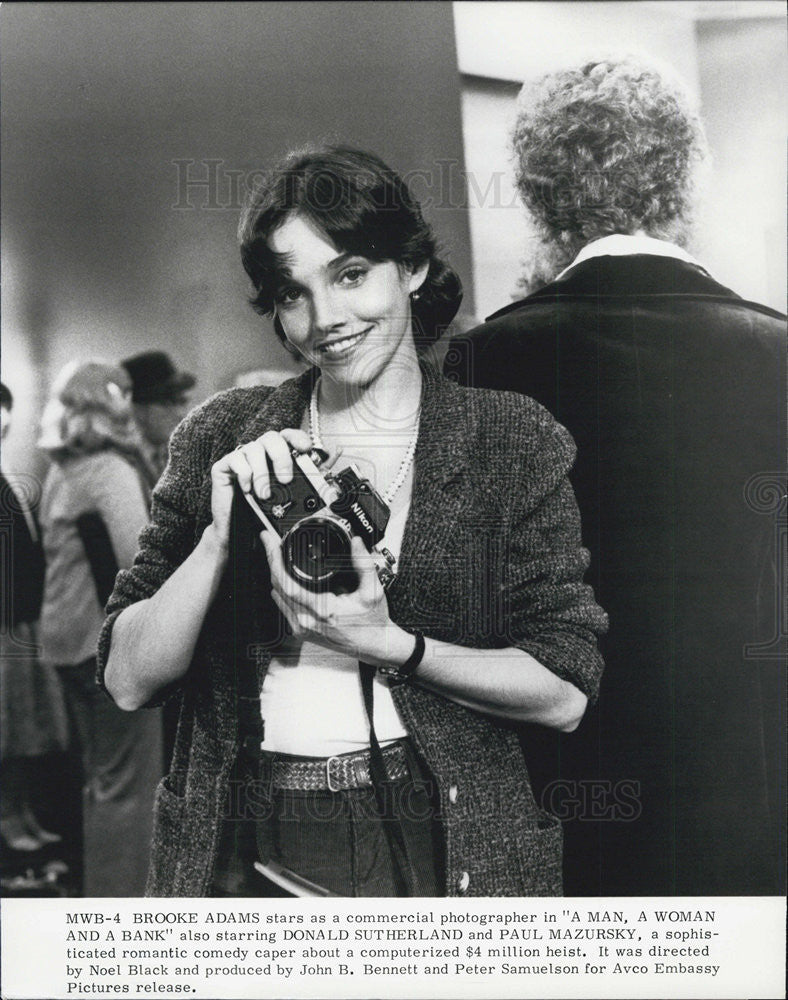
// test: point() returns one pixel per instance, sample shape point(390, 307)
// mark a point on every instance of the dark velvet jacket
point(673, 388)
point(23, 572)
point(490, 557)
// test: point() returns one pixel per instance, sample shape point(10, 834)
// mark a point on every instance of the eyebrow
point(282, 272)
point(342, 259)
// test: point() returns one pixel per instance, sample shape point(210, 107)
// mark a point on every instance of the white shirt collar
point(621, 245)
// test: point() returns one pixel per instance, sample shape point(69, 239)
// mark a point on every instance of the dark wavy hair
point(612, 146)
point(364, 207)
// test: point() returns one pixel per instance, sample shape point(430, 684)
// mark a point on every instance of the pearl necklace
point(405, 464)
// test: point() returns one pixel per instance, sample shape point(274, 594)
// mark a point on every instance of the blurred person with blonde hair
point(673, 387)
point(94, 504)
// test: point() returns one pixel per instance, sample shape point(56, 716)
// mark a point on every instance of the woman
point(486, 619)
point(93, 506)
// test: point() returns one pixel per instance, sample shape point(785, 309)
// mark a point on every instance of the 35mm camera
point(316, 515)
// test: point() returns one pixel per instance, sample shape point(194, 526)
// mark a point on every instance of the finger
point(233, 466)
point(300, 620)
point(288, 614)
point(273, 552)
point(306, 622)
point(324, 607)
point(257, 459)
point(290, 589)
point(369, 588)
point(333, 457)
point(279, 453)
point(298, 439)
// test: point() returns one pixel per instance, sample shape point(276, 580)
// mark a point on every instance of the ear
point(418, 277)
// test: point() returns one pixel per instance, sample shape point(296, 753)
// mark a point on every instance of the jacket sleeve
point(170, 536)
point(550, 613)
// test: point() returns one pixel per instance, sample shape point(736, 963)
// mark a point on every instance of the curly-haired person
point(673, 388)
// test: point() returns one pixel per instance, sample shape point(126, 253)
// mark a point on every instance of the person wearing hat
point(160, 394)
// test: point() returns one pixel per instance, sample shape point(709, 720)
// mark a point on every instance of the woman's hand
point(249, 465)
point(357, 624)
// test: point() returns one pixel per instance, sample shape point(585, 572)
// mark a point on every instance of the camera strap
point(404, 875)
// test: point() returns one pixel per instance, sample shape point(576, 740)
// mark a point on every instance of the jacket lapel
point(439, 493)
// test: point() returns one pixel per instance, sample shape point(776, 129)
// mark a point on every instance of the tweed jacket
point(674, 389)
point(490, 557)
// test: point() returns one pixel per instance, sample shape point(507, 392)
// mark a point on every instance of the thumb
point(364, 565)
point(273, 549)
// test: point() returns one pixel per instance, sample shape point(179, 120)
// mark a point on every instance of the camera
point(316, 515)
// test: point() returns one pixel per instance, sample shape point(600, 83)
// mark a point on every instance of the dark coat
point(23, 583)
point(490, 556)
point(674, 390)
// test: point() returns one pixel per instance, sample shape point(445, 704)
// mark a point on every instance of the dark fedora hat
point(155, 378)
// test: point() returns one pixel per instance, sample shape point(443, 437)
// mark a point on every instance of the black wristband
point(410, 665)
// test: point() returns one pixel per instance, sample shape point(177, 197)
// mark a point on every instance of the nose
point(328, 313)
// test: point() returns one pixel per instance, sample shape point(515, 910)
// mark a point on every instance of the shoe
point(16, 837)
point(48, 837)
point(23, 842)
point(17, 884)
point(35, 830)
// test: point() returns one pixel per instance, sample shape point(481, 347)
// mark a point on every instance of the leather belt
point(332, 774)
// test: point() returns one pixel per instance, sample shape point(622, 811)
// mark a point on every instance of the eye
point(353, 275)
point(287, 296)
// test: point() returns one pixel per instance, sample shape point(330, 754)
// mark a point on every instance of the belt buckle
point(331, 787)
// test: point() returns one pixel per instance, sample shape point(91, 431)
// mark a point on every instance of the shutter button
point(463, 882)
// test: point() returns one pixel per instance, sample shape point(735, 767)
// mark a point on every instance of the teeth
point(337, 346)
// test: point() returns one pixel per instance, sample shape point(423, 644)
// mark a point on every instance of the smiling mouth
point(340, 346)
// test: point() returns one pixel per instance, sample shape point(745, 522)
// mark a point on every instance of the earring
point(415, 296)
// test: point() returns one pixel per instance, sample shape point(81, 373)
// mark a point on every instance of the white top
point(622, 245)
point(311, 700)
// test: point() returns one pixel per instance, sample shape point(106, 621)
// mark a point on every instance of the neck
point(390, 400)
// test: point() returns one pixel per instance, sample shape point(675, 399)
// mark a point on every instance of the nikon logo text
point(361, 516)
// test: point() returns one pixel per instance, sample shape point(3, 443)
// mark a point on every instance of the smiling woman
point(333, 309)
point(352, 738)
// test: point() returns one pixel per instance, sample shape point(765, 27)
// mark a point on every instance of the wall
point(743, 69)
point(734, 68)
point(105, 252)
point(498, 43)
point(511, 41)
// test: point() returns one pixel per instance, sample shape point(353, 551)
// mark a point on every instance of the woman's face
point(342, 312)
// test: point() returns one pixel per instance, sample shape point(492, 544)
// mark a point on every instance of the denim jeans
point(337, 840)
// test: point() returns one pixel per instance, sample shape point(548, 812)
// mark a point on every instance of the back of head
point(364, 207)
point(612, 146)
point(89, 410)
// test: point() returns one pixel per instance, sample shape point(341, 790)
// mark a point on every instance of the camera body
point(316, 515)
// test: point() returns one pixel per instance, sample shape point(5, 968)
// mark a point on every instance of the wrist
point(215, 547)
point(399, 669)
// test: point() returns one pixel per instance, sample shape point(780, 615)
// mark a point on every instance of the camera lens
point(315, 551)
